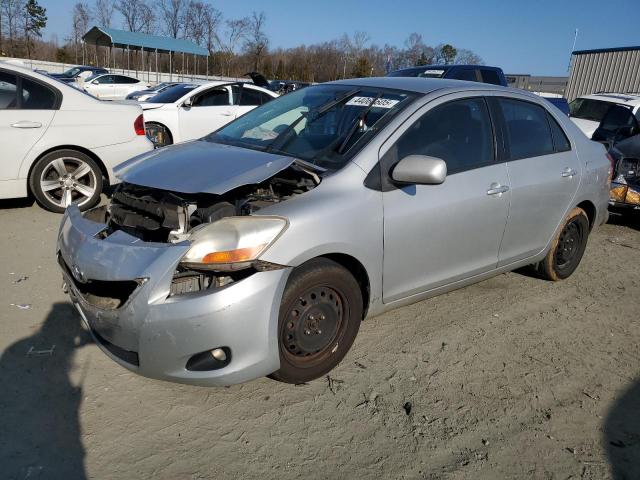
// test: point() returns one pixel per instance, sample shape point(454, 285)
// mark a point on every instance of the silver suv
point(259, 249)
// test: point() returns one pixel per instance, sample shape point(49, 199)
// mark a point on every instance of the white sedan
point(111, 86)
point(60, 144)
point(189, 111)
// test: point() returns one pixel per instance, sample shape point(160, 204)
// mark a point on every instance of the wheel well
point(359, 273)
point(590, 209)
point(89, 153)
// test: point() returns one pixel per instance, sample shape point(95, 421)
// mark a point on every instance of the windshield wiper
point(313, 115)
point(358, 123)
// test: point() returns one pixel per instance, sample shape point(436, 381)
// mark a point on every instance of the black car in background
point(472, 73)
point(73, 73)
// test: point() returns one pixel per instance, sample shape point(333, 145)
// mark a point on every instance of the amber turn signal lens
point(233, 256)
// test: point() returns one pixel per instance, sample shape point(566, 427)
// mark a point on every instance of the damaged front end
point(625, 185)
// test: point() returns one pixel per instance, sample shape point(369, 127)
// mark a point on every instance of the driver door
point(208, 111)
point(435, 235)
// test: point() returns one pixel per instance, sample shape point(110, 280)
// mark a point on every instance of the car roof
point(422, 85)
point(631, 99)
point(446, 67)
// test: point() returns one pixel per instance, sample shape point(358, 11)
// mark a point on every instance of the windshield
point(172, 94)
point(589, 109)
point(324, 125)
point(72, 72)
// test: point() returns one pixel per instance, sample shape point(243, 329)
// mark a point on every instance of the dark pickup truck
point(472, 73)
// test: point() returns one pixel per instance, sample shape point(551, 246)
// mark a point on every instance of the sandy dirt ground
point(511, 378)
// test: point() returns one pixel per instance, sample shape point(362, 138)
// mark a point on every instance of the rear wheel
point(64, 177)
point(319, 319)
point(567, 248)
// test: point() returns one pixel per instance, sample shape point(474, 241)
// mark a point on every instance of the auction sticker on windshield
point(366, 101)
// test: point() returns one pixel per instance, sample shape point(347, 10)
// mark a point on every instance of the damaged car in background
point(625, 185)
point(259, 249)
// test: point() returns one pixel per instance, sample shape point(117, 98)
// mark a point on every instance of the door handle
point(497, 189)
point(26, 124)
point(568, 172)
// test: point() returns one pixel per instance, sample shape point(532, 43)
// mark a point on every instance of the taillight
point(138, 125)
point(612, 161)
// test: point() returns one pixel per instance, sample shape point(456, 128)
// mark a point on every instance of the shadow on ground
point(630, 219)
point(6, 204)
point(622, 435)
point(40, 430)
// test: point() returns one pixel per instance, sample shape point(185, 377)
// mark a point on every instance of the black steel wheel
point(319, 319)
point(567, 248)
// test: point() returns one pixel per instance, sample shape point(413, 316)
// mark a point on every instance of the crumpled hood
point(201, 167)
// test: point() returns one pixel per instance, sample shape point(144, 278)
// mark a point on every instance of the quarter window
point(468, 74)
point(8, 91)
point(528, 131)
point(560, 140)
point(458, 132)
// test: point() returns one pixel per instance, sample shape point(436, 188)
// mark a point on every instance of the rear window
point(8, 91)
point(589, 109)
point(490, 76)
point(423, 72)
point(172, 94)
point(36, 96)
point(560, 140)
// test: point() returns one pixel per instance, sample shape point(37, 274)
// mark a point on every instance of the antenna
point(573, 48)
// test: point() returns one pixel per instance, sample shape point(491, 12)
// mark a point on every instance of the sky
point(520, 36)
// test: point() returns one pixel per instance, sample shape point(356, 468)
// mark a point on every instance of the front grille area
point(106, 295)
point(124, 355)
point(145, 213)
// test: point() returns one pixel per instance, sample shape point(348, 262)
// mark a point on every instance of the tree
point(81, 16)
point(445, 53)
point(35, 19)
point(12, 11)
point(103, 12)
point(133, 12)
point(361, 68)
point(468, 57)
point(235, 31)
point(280, 74)
point(173, 16)
point(256, 41)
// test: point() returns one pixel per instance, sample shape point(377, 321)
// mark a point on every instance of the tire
point(320, 315)
point(159, 134)
point(567, 248)
point(64, 177)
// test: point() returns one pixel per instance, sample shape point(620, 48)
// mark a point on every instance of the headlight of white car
point(232, 243)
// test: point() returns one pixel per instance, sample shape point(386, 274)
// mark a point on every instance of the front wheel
point(64, 177)
point(567, 248)
point(320, 315)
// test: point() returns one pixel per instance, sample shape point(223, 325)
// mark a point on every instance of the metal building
point(555, 85)
point(604, 70)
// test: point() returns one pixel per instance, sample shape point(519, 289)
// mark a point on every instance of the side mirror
point(95, 82)
point(420, 169)
point(187, 103)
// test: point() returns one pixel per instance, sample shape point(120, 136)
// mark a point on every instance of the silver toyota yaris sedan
point(259, 249)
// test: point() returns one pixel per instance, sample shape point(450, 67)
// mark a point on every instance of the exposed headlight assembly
point(232, 243)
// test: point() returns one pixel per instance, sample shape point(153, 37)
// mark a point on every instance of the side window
point(528, 131)
point(490, 76)
point(106, 79)
point(214, 97)
point(458, 132)
point(36, 96)
point(250, 97)
point(235, 94)
point(468, 74)
point(560, 141)
point(8, 91)
point(265, 98)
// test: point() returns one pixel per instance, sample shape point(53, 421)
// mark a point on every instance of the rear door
point(209, 110)
point(437, 234)
point(544, 175)
point(26, 111)
point(247, 98)
point(105, 89)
